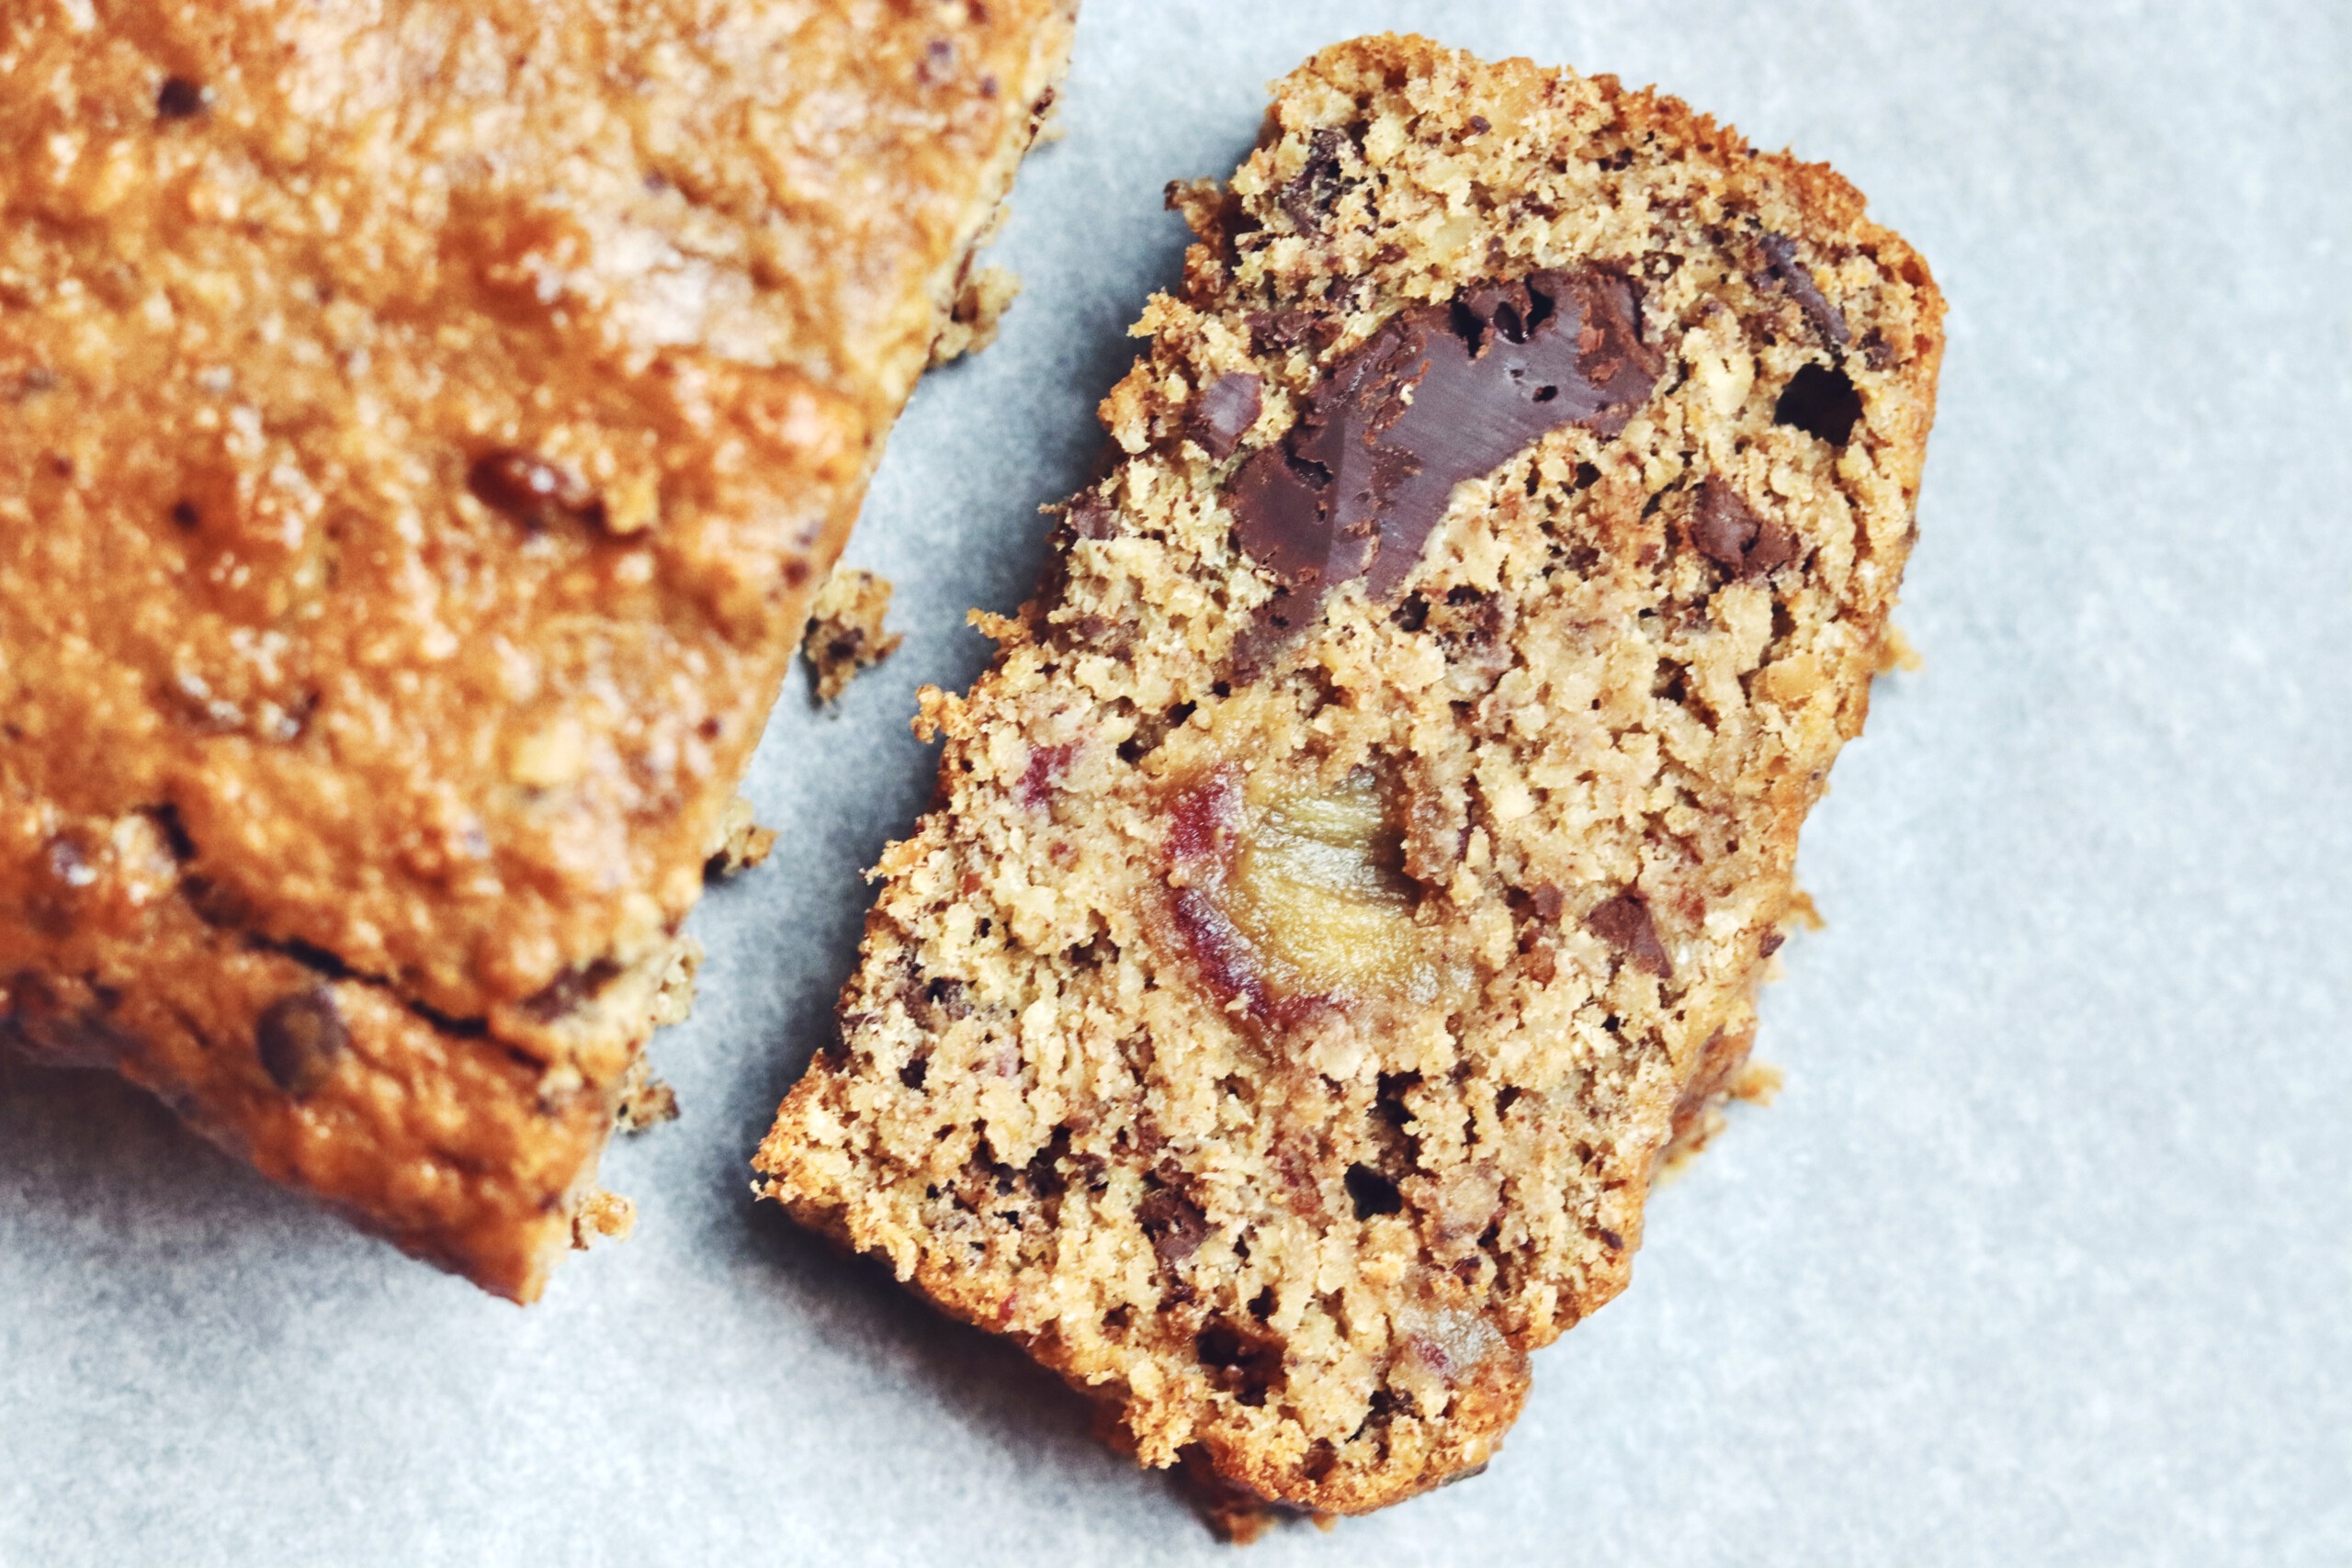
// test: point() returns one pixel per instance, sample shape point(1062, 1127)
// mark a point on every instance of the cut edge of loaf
point(816, 1158)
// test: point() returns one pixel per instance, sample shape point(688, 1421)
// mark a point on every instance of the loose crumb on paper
point(980, 309)
point(845, 631)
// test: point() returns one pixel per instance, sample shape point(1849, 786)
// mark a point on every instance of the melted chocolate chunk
point(1312, 192)
point(534, 491)
point(1723, 529)
point(300, 1039)
point(178, 98)
point(1226, 411)
point(1784, 268)
point(1820, 401)
point(1243, 1361)
point(1174, 1223)
point(1440, 394)
point(1371, 1192)
point(1624, 923)
point(1092, 517)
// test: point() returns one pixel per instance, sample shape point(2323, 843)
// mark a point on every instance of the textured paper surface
point(2043, 1257)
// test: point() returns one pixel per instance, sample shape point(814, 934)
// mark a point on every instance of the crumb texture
point(1341, 891)
point(421, 429)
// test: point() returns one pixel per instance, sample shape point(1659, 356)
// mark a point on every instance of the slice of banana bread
point(1363, 851)
point(422, 427)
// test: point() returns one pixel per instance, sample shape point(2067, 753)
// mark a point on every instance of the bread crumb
point(646, 1100)
point(1758, 1083)
point(675, 1001)
point(980, 309)
point(743, 843)
point(602, 1213)
point(1895, 652)
point(845, 631)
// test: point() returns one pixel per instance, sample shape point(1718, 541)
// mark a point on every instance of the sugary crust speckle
point(422, 427)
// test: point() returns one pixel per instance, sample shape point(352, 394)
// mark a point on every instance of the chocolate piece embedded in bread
point(422, 428)
point(1359, 863)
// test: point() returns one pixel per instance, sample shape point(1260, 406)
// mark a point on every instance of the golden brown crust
point(1298, 1200)
point(426, 425)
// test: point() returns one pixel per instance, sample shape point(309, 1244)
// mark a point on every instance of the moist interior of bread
point(1292, 1166)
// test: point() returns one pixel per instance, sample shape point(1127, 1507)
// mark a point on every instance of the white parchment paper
point(2043, 1257)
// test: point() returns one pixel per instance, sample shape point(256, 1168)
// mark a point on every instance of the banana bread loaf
point(422, 426)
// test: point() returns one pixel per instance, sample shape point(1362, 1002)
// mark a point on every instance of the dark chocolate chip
point(184, 513)
point(1820, 401)
point(1726, 531)
point(300, 1039)
point(1092, 517)
point(1771, 943)
point(534, 491)
point(1784, 267)
point(1174, 1223)
point(1440, 394)
point(1480, 125)
point(178, 98)
point(938, 63)
point(1312, 192)
point(1372, 1192)
point(1227, 408)
point(1624, 923)
point(1549, 901)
